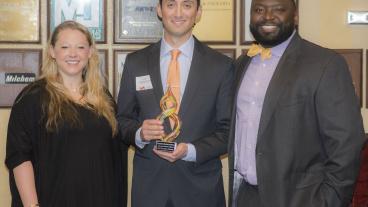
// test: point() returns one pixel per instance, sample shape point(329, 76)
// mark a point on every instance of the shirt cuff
point(138, 139)
point(191, 154)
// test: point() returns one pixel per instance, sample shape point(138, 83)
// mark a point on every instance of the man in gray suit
point(190, 175)
point(296, 132)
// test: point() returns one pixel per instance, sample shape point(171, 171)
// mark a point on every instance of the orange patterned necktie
point(256, 49)
point(173, 78)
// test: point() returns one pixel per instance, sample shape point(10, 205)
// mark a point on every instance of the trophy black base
point(165, 146)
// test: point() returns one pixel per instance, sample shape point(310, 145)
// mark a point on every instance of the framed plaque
point(354, 59)
point(103, 58)
point(91, 13)
point(217, 24)
point(228, 52)
point(366, 88)
point(246, 36)
point(244, 51)
point(136, 21)
point(17, 69)
point(119, 60)
point(20, 21)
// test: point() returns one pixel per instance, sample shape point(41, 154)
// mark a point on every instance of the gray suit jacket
point(311, 132)
point(205, 114)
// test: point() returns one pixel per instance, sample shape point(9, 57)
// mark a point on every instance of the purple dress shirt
point(249, 105)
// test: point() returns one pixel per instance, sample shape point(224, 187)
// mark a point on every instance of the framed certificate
point(17, 69)
point(91, 13)
point(119, 61)
point(228, 52)
point(136, 21)
point(103, 58)
point(354, 58)
point(246, 36)
point(244, 51)
point(217, 24)
point(20, 21)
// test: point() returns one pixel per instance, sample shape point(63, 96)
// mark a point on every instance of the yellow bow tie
point(256, 49)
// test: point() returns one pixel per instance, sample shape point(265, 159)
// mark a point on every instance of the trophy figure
point(168, 105)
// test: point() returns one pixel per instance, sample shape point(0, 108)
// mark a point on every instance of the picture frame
point(245, 35)
point(18, 68)
point(354, 59)
point(231, 53)
point(246, 38)
point(103, 55)
point(366, 87)
point(20, 21)
point(91, 14)
point(119, 61)
point(244, 51)
point(218, 22)
point(136, 21)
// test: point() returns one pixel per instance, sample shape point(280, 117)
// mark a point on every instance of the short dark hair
point(198, 3)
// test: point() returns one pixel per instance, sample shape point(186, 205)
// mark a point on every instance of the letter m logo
point(87, 12)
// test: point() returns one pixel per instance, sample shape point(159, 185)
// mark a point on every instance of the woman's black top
point(75, 166)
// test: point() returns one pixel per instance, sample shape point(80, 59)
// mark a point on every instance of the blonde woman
point(60, 146)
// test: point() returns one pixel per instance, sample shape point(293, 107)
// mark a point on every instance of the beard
point(270, 39)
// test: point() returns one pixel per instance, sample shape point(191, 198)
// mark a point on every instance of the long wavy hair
point(60, 106)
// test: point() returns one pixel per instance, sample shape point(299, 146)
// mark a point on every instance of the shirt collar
point(186, 49)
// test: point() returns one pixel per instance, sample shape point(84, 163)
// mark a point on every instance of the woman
point(60, 147)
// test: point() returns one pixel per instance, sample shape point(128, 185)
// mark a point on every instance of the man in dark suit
point(190, 175)
point(296, 132)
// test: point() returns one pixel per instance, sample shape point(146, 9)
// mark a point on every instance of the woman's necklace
point(74, 90)
point(75, 94)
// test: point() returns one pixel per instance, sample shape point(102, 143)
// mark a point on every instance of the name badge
point(143, 83)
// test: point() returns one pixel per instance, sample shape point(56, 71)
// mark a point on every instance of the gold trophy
point(168, 105)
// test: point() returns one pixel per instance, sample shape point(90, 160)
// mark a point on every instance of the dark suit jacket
point(205, 114)
point(310, 134)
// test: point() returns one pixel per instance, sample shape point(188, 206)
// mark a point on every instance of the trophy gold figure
point(169, 105)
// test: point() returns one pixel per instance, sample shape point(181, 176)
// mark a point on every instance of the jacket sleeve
point(128, 107)
point(342, 133)
point(215, 144)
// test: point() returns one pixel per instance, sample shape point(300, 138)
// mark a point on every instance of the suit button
point(259, 153)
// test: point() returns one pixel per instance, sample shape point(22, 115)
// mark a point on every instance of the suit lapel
point(196, 71)
point(283, 72)
point(154, 70)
